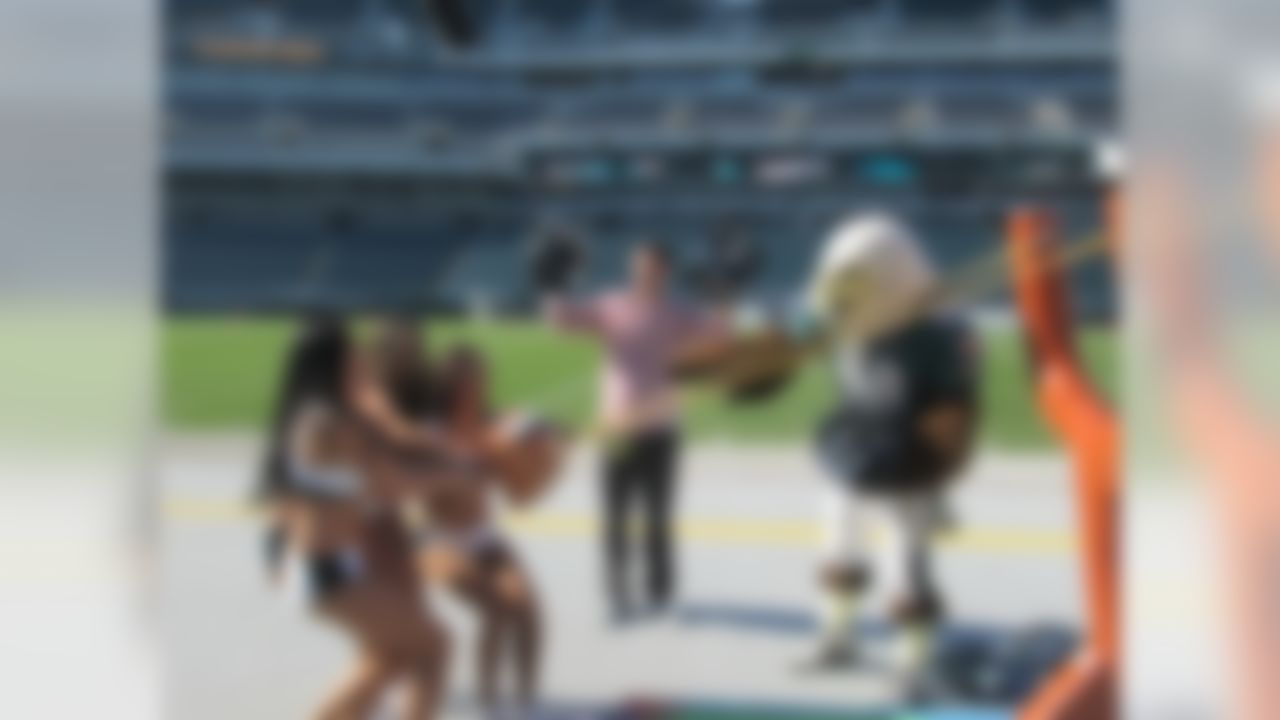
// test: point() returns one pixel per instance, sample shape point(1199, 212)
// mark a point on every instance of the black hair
point(461, 354)
point(413, 386)
point(315, 369)
point(465, 353)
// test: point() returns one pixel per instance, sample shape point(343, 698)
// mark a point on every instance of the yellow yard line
point(1001, 540)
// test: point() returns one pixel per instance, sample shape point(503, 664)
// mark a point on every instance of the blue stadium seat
point(1061, 11)
point(659, 14)
point(555, 15)
point(320, 12)
point(949, 12)
point(813, 13)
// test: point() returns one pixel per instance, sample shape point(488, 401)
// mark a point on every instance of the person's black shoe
point(664, 605)
point(622, 615)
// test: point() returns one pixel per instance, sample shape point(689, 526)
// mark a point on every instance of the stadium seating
point(262, 265)
point(637, 117)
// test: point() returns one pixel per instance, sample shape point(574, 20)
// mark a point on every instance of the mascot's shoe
point(912, 651)
point(918, 620)
point(832, 656)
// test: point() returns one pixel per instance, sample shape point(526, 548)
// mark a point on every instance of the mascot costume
point(901, 430)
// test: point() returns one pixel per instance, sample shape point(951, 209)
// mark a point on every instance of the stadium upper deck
point(548, 33)
point(653, 72)
point(318, 129)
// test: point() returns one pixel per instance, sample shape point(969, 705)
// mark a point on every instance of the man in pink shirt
point(639, 327)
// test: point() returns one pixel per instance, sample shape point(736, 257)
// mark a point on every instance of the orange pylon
point(1085, 687)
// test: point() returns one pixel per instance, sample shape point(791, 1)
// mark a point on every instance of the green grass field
point(220, 373)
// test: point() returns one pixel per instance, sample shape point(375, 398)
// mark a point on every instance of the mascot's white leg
point(844, 571)
point(908, 567)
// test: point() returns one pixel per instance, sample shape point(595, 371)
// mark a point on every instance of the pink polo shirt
point(639, 337)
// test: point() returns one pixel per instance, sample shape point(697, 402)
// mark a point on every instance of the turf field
point(220, 373)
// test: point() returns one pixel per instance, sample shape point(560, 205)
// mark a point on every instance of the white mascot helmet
point(872, 277)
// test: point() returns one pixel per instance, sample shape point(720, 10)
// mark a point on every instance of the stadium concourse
point(733, 648)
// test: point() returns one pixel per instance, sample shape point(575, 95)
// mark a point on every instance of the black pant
point(640, 470)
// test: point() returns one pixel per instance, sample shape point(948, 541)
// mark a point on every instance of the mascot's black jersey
point(872, 440)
